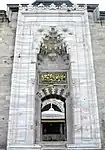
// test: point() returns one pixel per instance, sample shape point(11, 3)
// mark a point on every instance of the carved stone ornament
point(64, 6)
point(30, 7)
point(52, 56)
point(53, 45)
point(51, 89)
point(52, 6)
point(75, 7)
point(41, 6)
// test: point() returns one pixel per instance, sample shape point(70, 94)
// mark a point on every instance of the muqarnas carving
point(53, 45)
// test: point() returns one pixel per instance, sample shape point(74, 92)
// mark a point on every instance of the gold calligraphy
point(53, 78)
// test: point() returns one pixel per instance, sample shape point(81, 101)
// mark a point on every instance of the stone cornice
point(53, 7)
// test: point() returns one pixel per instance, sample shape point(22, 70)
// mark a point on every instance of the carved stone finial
point(64, 6)
point(41, 6)
point(52, 6)
point(76, 7)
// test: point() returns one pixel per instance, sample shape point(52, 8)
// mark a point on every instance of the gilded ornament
point(51, 78)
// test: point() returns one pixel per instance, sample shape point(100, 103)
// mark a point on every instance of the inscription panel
point(53, 78)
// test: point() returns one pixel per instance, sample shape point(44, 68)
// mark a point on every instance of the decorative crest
point(53, 44)
point(52, 7)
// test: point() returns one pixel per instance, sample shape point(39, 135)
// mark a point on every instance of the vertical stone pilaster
point(69, 120)
point(38, 120)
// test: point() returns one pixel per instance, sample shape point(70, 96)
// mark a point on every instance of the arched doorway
point(53, 118)
point(53, 121)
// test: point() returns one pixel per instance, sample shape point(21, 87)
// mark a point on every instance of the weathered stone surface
point(7, 36)
point(98, 44)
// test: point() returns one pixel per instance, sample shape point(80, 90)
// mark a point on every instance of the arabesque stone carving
point(52, 45)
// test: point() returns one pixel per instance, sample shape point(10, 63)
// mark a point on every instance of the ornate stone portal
point(53, 122)
point(53, 93)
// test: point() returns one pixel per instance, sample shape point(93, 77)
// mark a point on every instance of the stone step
point(63, 143)
point(53, 145)
point(53, 148)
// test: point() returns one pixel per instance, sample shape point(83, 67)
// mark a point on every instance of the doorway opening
point(53, 119)
point(53, 131)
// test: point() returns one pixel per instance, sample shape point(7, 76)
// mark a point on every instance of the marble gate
point(53, 89)
point(53, 81)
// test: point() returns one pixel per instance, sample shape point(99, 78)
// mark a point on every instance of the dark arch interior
point(47, 107)
point(53, 96)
